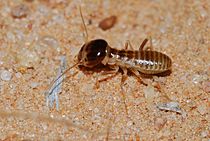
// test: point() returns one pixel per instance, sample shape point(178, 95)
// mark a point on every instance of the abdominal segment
point(148, 62)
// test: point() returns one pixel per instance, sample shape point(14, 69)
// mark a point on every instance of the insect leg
point(137, 74)
point(128, 43)
point(112, 72)
point(124, 77)
point(143, 44)
point(150, 41)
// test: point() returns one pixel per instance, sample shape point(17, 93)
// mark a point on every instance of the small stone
point(49, 41)
point(6, 75)
point(159, 123)
point(27, 57)
point(149, 92)
point(190, 19)
point(108, 22)
point(130, 123)
point(33, 85)
point(203, 13)
point(206, 86)
point(44, 126)
point(204, 134)
point(18, 75)
point(20, 11)
point(96, 110)
point(197, 78)
point(202, 109)
point(166, 133)
point(10, 36)
point(163, 29)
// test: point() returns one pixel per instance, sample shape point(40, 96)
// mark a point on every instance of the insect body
point(99, 52)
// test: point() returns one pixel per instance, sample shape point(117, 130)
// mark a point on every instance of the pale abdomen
point(147, 62)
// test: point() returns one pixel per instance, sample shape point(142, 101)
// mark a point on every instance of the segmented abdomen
point(147, 62)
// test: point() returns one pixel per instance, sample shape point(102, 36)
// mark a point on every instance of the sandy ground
point(39, 37)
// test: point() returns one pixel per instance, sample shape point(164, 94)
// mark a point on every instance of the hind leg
point(128, 43)
point(142, 46)
point(137, 74)
point(124, 77)
point(150, 47)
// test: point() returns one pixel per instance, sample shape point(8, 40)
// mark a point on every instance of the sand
point(40, 38)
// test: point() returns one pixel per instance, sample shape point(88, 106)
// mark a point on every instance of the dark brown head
point(92, 53)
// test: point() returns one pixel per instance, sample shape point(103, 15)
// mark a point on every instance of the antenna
point(83, 22)
point(86, 40)
point(53, 82)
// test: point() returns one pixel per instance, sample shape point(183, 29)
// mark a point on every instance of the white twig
point(56, 88)
point(170, 106)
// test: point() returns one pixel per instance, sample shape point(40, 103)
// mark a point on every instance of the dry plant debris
point(170, 106)
point(35, 33)
point(52, 94)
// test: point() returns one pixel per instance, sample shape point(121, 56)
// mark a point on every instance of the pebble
point(159, 123)
point(49, 41)
point(18, 75)
point(203, 13)
point(150, 93)
point(108, 22)
point(202, 109)
point(204, 134)
point(198, 78)
point(26, 57)
point(20, 11)
point(163, 29)
point(206, 86)
point(33, 85)
point(130, 123)
point(10, 36)
point(44, 126)
point(6, 75)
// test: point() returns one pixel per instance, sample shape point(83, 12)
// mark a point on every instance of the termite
point(96, 52)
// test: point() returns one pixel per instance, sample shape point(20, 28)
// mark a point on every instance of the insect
point(98, 51)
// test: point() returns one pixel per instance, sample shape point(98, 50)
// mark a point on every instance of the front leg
point(111, 74)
